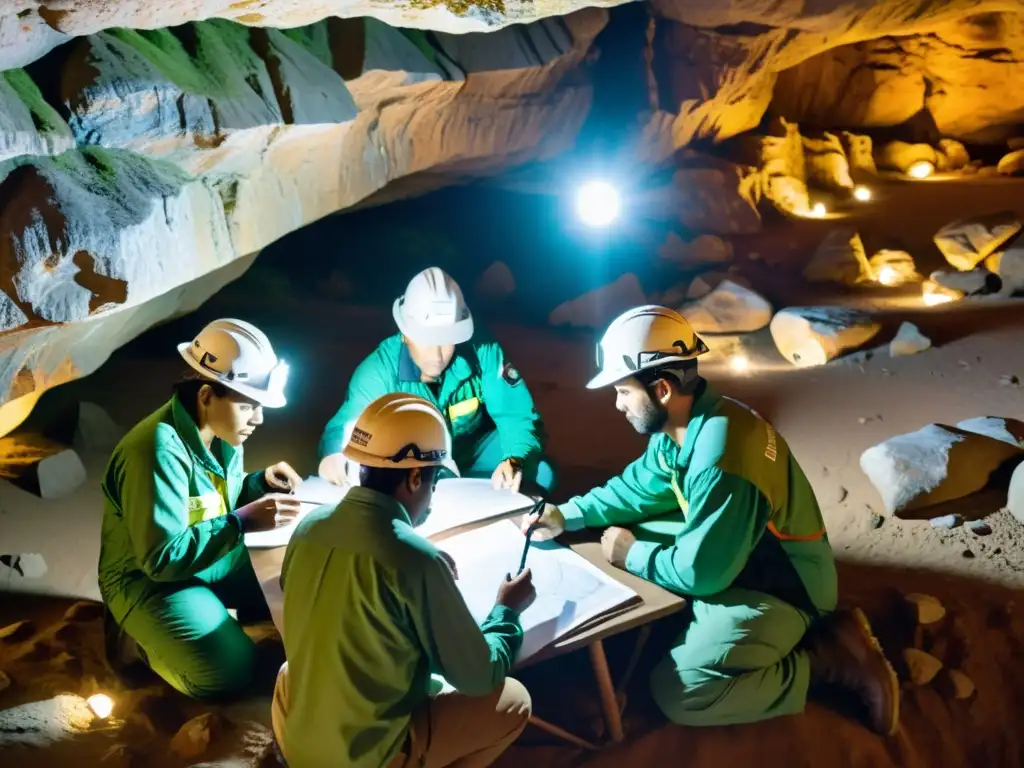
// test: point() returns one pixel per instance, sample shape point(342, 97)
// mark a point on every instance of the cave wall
point(133, 162)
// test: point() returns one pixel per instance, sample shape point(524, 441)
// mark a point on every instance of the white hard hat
point(644, 338)
point(398, 431)
point(239, 356)
point(432, 311)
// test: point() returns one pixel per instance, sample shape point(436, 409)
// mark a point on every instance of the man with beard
point(720, 511)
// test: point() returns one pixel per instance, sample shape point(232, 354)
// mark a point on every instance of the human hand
point(333, 469)
point(517, 593)
point(268, 512)
point(615, 545)
point(450, 562)
point(281, 477)
point(508, 474)
point(549, 521)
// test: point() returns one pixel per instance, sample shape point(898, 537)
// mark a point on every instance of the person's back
point(371, 610)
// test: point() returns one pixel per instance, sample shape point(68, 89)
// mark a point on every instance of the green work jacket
point(730, 507)
point(480, 390)
point(167, 499)
point(370, 613)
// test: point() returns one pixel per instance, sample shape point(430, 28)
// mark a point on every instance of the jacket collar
point(459, 367)
point(383, 506)
point(188, 431)
point(705, 404)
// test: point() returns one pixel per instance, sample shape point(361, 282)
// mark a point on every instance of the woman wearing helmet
point(178, 503)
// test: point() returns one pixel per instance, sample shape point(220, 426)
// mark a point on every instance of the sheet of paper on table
point(456, 502)
point(571, 592)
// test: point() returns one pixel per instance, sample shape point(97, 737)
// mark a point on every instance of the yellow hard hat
point(398, 431)
point(643, 338)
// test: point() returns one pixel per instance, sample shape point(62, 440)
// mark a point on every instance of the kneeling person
point(371, 611)
point(496, 430)
point(722, 512)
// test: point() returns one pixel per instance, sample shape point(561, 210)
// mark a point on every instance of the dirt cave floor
point(829, 415)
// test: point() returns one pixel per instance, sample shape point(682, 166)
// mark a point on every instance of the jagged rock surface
point(146, 169)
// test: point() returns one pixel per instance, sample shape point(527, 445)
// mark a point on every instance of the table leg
point(634, 659)
point(606, 689)
point(561, 733)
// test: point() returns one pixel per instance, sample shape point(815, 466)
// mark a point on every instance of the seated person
point(723, 513)
point(172, 554)
point(497, 432)
point(371, 610)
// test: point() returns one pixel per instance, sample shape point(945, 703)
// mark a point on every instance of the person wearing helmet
point(496, 429)
point(172, 553)
point(371, 610)
point(720, 511)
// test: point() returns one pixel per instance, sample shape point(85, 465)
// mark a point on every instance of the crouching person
point(372, 615)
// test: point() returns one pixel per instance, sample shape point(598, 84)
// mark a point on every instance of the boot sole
point(894, 683)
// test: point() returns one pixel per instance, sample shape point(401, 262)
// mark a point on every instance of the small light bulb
point(888, 276)
point(922, 169)
point(932, 293)
point(101, 705)
point(739, 363)
point(818, 210)
point(931, 299)
point(862, 193)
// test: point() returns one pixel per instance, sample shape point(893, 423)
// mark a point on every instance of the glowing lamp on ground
point(818, 210)
point(101, 705)
point(922, 169)
point(739, 363)
point(862, 193)
point(888, 276)
point(932, 293)
point(598, 204)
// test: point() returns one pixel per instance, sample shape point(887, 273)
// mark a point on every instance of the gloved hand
point(268, 512)
point(550, 523)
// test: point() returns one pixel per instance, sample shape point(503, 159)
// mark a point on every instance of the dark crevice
point(104, 289)
point(259, 39)
point(348, 46)
point(743, 29)
point(48, 73)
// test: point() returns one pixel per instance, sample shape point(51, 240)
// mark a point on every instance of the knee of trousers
point(516, 700)
point(205, 672)
point(687, 704)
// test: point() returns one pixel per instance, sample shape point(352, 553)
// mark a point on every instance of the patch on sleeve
point(510, 374)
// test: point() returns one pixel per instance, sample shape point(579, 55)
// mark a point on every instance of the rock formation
point(140, 171)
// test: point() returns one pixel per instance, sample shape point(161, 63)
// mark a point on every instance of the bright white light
point(922, 169)
point(933, 294)
point(739, 363)
point(598, 203)
point(888, 276)
point(101, 704)
point(862, 193)
point(818, 210)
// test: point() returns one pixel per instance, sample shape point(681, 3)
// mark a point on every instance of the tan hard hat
point(238, 355)
point(398, 431)
point(643, 338)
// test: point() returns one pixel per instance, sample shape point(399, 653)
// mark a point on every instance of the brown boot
point(846, 654)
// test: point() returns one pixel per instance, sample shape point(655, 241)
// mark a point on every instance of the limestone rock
point(839, 258)
point(40, 467)
point(495, 283)
point(968, 242)
point(809, 336)
point(715, 200)
point(596, 308)
point(1012, 164)
point(953, 155)
point(195, 736)
point(963, 686)
point(997, 427)
point(909, 341)
point(969, 283)
point(859, 154)
point(671, 297)
point(729, 308)
point(31, 126)
point(923, 667)
point(95, 430)
point(705, 249)
point(17, 632)
point(948, 522)
point(825, 163)
point(927, 608)
point(893, 267)
point(900, 156)
point(935, 464)
point(1015, 495)
point(25, 565)
point(706, 282)
point(1009, 265)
